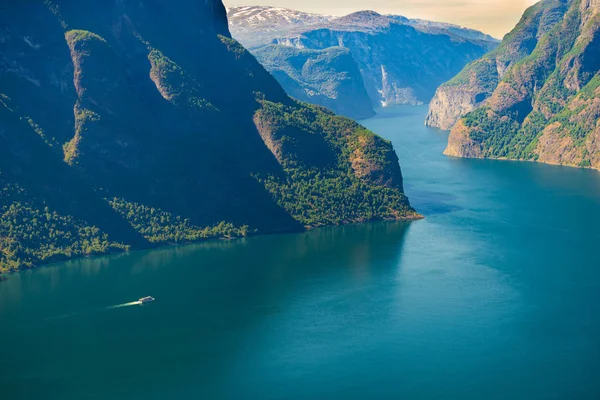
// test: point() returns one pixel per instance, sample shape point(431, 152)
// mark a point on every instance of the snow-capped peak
point(271, 18)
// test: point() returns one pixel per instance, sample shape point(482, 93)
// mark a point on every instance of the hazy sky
point(495, 17)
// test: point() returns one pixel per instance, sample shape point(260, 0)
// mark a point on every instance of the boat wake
point(130, 304)
point(62, 316)
point(133, 303)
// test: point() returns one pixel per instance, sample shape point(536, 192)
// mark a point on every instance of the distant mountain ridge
point(537, 97)
point(444, 27)
point(401, 61)
point(258, 24)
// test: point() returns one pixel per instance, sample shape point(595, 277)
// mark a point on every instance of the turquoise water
point(495, 295)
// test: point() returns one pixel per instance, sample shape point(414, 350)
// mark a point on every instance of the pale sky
point(496, 17)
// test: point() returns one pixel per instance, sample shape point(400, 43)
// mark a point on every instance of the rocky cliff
point(401, 61)
point(129, 123)
point(546, 107)
point(476, 82)
point(329, 77)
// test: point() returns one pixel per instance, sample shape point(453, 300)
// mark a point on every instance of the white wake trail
point(133, 303)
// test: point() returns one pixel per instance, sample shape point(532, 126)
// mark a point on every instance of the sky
point(495, 17)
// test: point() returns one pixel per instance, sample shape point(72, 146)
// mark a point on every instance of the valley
point(358, 62)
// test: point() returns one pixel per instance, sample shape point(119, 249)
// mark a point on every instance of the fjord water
point(495, 295)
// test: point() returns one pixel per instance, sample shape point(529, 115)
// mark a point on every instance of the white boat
point(146, 299)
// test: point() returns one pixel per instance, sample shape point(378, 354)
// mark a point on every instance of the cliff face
point(401, 61)
point(546, 108)
point(131, 123)
point(451, 103)
point(328, 77)
point(477, 81)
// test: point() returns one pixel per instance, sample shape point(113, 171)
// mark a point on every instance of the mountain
point(328, 77)
point(401, 61)
point(256, 26)
point(136, 123)
point(476, 82)
point(446, 28)
point(546, 107)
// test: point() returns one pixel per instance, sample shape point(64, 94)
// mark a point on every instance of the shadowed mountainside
point(136, 123)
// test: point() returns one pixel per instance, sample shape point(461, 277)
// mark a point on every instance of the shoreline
point(524, 161)
point(4, 275)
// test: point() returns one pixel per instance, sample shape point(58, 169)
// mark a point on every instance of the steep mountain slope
point(134, 123)
point(401, 61)
point(328, 77)
point(476, 82)
point(547, 106)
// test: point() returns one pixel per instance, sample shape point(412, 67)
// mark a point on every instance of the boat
point(146, 299)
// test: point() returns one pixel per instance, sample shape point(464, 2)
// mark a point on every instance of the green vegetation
point(82, 118)
point(552, 91)
point(526, 139)
point(519, 51)
point(332, 194)
point(516, 46)
point(233, 46)
point(51, 142)
point(482, 72)
point(31, 233)
point(317, 198)
point(160, 227)
point(502, 136)
point(82, 36)
point(164, 64)
point(173, 83)
point(494, 132)
point(161, 146)
point(579, 117)
point(590, 90)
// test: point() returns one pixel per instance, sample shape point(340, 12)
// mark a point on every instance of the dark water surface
point(495, 295)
